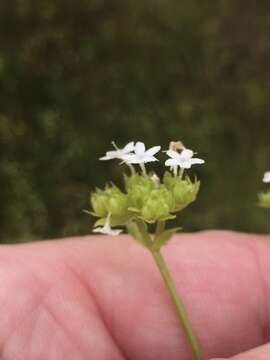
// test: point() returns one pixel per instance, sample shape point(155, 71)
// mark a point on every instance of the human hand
point(102, 298)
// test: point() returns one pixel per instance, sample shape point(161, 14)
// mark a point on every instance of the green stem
point(142, 166)
point(160, 227)
point(181, 312)
point(181, 173)
point(132, 170)
point(144, 232)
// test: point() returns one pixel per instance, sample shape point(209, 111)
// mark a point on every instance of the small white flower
point(106, 229)
point(141, 155)
point(118, 153)
point(266, 177)
point(184, 159)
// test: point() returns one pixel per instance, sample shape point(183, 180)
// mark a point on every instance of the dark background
point(75, 75)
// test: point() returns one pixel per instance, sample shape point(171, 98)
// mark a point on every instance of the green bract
point(264, 199)
point(184, 191)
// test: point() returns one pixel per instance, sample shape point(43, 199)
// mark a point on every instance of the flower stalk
point(180, 309)
point(147, 199)
point(170, 285)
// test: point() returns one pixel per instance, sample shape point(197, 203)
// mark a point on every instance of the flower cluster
point(264, 197)
point(146, 198)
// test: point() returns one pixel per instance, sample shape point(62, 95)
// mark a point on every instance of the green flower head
point(98, 201)
point(138, 189)
point(183, 191)
point(264, 199)
point(111, 201)
point(158, 205)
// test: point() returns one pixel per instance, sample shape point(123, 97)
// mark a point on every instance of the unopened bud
point(138, 188)
point(111, 200)
point(98, 201)
point(158, 206)
point(184, 191)
point(264, 199)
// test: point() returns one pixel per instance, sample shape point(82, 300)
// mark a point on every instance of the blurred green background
point(75, 75)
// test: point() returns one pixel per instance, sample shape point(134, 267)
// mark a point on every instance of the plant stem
point(142, 166)
point(181, 173)
point(181, 312)
point(132, 170)
point(160, 227)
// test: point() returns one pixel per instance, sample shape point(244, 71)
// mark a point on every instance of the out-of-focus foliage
point(75, 75)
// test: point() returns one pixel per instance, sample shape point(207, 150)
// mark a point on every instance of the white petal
point(173, 154)
point(153, 150)
point(186, 164)
point(115, 232)
point(196, 161)
point(147, 159)
point(135, 161)
point(126, 157)
point(186, 154)
point(171, 162)
point(110, 155)
point(132, 159)
point(139, 148)
point(107, 231)
point(98, 230)
point(128, 148)
point(266, 177)
point(105, 158)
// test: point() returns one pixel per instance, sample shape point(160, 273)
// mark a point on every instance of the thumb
point(259, 353)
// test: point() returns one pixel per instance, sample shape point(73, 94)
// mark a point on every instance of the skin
point(97, 297)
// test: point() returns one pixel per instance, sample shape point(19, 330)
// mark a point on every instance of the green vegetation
point(75, 75)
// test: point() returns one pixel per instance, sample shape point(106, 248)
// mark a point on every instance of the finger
point(222, 278)
point(260, 353)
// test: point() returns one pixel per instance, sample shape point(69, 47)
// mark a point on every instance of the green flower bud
point(117, 202)
point(264, 199)
point(158, 205)
point(169, 180)
point(98, 201)
point(183, 191)
point(113, 201)
point(138, 188)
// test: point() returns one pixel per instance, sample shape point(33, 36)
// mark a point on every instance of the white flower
point(118, 153)
point(106, 229)
point(184, 159)
point(141, 155)
point(266, 177)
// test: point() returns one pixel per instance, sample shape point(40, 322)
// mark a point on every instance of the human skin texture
point(102, 298)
